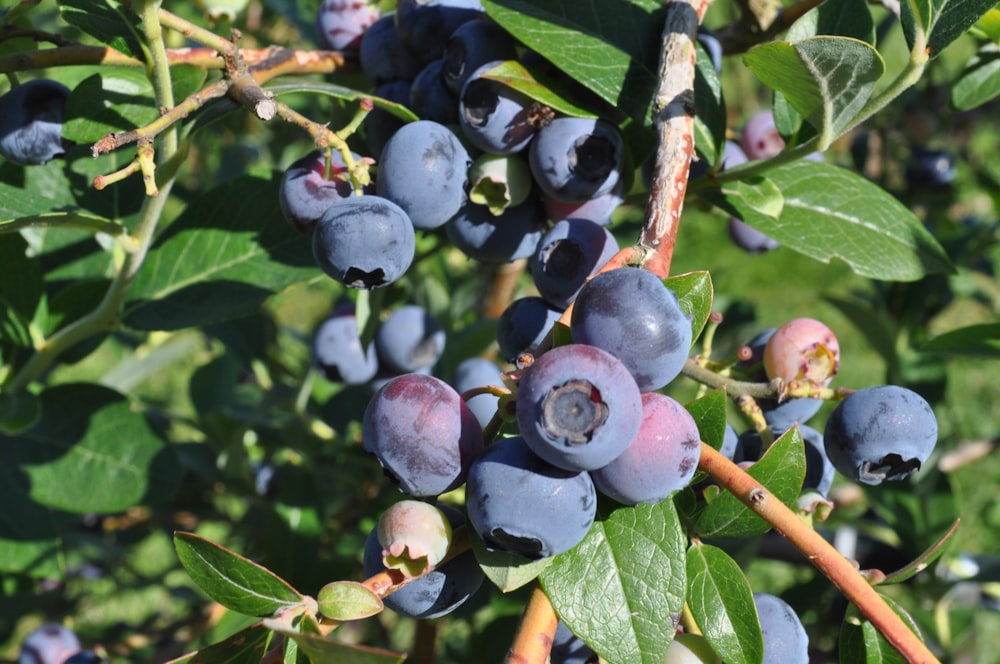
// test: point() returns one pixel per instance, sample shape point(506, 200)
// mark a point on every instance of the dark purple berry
point(489, 238)
point(31, 117)
point(575, 159)
point(472, 45)
point(495, 118)
point(309, 187)
point(567, 255)
point(524, 324)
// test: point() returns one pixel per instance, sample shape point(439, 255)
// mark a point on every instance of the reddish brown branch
point(533, 640)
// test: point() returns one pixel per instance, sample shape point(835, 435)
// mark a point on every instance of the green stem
point(160, 71)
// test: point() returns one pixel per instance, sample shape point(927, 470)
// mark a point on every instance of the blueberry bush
point(535, 331)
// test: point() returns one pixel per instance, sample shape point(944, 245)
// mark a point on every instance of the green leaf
point(756, 193)
point(247, 646)
point(507, 571)
point(695, 294)
point(87, 432)
point(21, 286)
point(622, 588)
point(989, 25)
point(709, 413)
point(979, 82)
point(110, 101)
point(924, 560)
point(231, 580)
point(710, 109)
point(18, 412)
point(221, 258)
point(977, 340)
point(840, 18)
point(340, 92)
point(348, 600)
point(830, 212)
point(782, 470)
point(113, 24)
point(321, 650)
point(826, 79)
point(721, 600)
point(536, 86)
point(860, 641)
point(611, 48)
point(943, 21)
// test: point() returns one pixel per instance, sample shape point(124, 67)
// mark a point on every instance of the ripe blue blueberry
point(49, 644)
point(494, 117)
point(930, 168)
point(309, 187)
point(712, 46)
point(430, 99)
point(661, 459)
point(340, 24)
point(521, 504)
point(524, 324)
point(785, 639)
point(411, 338)
point(478, 372)
point(472, 45)
point(364, 242)
point(630, 313)
point(383, 56)
point(748, 238)
point(423, 434)
point(338, 353)
point(31, 117)
point(880, 433)
point(568, 648)
point(575, 159)
point(380, 124)
point(489, 238)
point(578, 407)
point(423, 170)
point(570, 252)
point(425, 25)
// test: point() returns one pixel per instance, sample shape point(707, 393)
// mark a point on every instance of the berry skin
point(494, 117)
point(597, 210)
point(380, 124)
point(578, 407)
point(521, 504)
point(569, 253)
point(712, 46)
point(523, 325)
point(84, 657)
point(785, 639)
point(423, 170)
point(760, 138)
point(489, 238)
point(661, 459)
point(687, 648)
point(430, 99)
point(364, 242)
point(423, 434)
point(425, 25)
point(307, 189)
point(576, 159)
point(414, 535)
point(472, 45)
point(880, 433)
point(779, 416)
point(568, 648)
point(337, 351)
point(749, 239)
point(437, 593)
point(803, 350)
point(340, 24)
point(478, 372)
point(383, 57)
point(410, 339)
point(631, 314)
point(31, 116)
point(49, 644)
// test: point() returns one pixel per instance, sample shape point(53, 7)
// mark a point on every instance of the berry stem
point(533, 640)
point(841, 572)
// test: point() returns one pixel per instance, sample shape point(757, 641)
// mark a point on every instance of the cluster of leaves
point(198, 409)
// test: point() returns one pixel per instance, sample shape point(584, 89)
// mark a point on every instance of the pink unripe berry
point(803, 350)
point(415, 537)
point(760, 138)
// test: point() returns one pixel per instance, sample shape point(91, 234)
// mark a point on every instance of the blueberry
point(423, 434)
point(521, 504)
point(803, 350)
point(494, 117)
point(597, 210)
point(575, 159)
point(760, 138)
point(524, 324)
point(409, 339)
point(478, 372)
point(729, 441)
point(712, 46)
point(383, 56)
point(84, 657)
point(340, 24)
point(578, 407)
point(819, 469)
point(779, 416)
point(568, 648)
point(430, 99)
point(880, 433)
point(425, 25)
point(308, 188)
point(567, 255)
point(489, 238)
point(380, 124)
point(31, 117)
point(49, 644)
point(630, 313)
point(437, 593)
point(364, 242)
point(423, 170)
point(472, 45)
point(337, 350)
point(749, 239)
point(934, 169)
point(661, 459)
point(785, 639)
point(415, 537)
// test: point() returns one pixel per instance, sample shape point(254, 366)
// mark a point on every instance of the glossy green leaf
point(781, 470)
point(221, 258)
point(622, 588)
point(695, 294)
point(612, 48)
point(721, 600)
point(989, 25)
point(231, 580)
point(838, 18)
point(979, 82)
point(924, 560)
point(860, 641)
point(832, 213)
point(941, 21)
point(111, 23)
point(247, 646)
point(977, 340)
point(13, 327)
point(826, 79)
point(514, 75)
point(507, 571)
point(110, 101)
point(756, 193)
point(709, 413)
point(340, 92)
point(87, 432)
point(348, 600)
point(710, 109)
